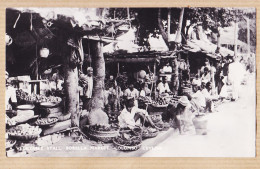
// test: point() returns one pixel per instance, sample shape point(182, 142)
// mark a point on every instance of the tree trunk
point(160, 25)
point(71, 93)
point(218, 41)
point(169, 24)
point(184, 22)
point(97, 115)
point(178, 34)
point(99, 74)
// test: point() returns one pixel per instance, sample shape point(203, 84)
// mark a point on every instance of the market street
point(230, 133)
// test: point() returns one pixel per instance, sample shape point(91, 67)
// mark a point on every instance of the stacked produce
point(149, 132)
point(160, 102)
point(36, 98)
point(145, 99)
point(46, 121)
point(104, 133)
point(24, 132)
point(127, 142)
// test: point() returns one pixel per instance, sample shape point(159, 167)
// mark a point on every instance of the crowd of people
point(210, 85)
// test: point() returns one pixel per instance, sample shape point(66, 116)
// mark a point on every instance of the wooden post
point(178, 35)
point(118, 70)
point(235, 38)
point(71, 88)
point(97, 115)
point(154, 73)
point(169, 24)
point(248, 37)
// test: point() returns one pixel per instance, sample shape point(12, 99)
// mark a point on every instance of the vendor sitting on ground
point(163, 87)
point(131, 93)
point(209, 98)
point(198, 100)
point(131, 116)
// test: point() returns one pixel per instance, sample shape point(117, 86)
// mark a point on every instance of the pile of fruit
point(46, 121)
point(149, 132)
point(156, 118)
point(145, 99)
point(24, 130)
point(103, 127)
point(160, 101)
point(173, 102)
point(36, 98)
point(128, 139)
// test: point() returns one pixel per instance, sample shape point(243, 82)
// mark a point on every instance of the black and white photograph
point(130, 82)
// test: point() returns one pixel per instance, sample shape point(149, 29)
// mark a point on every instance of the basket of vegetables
point(149, 132)
point(127, 142)
point(24, 132)
point(49, 121)
point(104, 133)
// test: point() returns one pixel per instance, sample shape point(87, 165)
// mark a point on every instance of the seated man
point(209, 97)
point(163, 86)
point(131, 116)
point(198, 100)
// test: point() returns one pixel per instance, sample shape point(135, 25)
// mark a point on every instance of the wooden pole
point(178, 35)
point(235, 38)
point(154, 73)
point(118, 70)
point(248, 37)
point(169, 24)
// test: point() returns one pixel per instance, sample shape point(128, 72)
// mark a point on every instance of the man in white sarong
point(236, 74)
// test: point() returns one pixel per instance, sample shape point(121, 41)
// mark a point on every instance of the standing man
point(132, 93)
point(236, 74)
point(86, 82)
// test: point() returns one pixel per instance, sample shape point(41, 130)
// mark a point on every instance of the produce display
point(46, 121)
point(9, 143)
point(24, 132)
point(156, 118)
point(160, 102)
point(149, 132)
point(128, 140)
point(36, 97)
point(145, 99)
point(103, 128)
point(160, 125)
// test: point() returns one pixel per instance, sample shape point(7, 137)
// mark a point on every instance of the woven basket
point(104, 133)
point(25, 137)
point(126, 148)
point(150, 135)
point(105, 139)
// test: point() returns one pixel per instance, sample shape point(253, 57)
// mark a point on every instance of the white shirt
point(236, 71)
point(131, 94)
point(206, 93)
point(10, 93)
point(168, 69)
point(196, 82)
point(163, 87)
point(200, 98)
point(126, 119)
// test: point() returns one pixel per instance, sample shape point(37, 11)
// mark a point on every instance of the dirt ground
point(231, 131)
